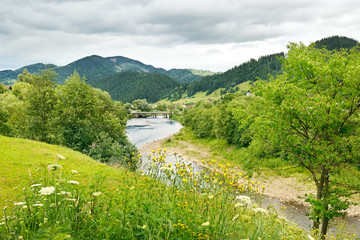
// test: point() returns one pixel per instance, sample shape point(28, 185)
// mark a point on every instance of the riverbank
point(285, 189)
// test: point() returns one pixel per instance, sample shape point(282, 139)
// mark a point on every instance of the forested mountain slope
point(128, 86)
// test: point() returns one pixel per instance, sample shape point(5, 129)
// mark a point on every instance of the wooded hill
point(129, 85)
point(94, 67)
point(251, 70)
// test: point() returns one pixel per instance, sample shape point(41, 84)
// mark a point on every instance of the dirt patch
point(285, 189)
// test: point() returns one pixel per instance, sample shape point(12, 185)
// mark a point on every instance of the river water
point(141, 131)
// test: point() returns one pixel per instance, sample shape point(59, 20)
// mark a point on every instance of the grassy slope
point(19, 157)
point(137, 205)
point(201, 96)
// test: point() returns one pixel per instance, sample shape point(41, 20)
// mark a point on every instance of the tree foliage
point(311, 111)
point(74, 115)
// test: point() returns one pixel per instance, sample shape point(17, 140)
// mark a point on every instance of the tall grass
point(59, 203)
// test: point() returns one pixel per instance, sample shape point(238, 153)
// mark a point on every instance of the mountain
point(93, 67)
point(128, 86)
point(251, 70)
point(181, 75)
point(9, 77)
point(336, 42)
point(248, 71)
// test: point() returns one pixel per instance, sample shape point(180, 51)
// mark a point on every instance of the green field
point(47, 197)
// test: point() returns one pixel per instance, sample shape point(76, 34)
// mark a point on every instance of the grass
point(223, 152)
point(47, 197)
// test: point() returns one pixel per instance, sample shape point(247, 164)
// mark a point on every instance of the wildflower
point(211, 196)
point(184, 180)
point(47, 190)
point(74, 172)
point(38, 205)
point(96, 194)
point(245, 200)
point(52, 204)
point(73, 182)
point(36, 185)
point(19, 203)
point(259, 210)
point(64, 193)
point(144, 227)
point(54, 167)
point(236, 216)
point(166, 169)
point(205, 224)
point(61, 157)
point(71, 199)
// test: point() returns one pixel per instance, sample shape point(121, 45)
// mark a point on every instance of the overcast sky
point(202, 34)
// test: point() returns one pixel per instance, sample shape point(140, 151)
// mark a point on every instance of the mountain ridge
point(95, 66)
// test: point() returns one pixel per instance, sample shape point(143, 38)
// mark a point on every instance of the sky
point(213, 35)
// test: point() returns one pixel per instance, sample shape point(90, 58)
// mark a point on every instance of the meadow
point(51, 192)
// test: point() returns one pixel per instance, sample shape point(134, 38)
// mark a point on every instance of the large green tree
point(40, 103)
point(311, 111)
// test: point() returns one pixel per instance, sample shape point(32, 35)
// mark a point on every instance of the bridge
point(148, 114)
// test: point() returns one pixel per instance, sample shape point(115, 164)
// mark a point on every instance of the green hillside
point(90, 67)
point(248, 71)
point(9, 77)
point(128, 86)
point(50, 192)
point(336, 42)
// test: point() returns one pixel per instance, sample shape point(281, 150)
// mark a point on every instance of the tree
point(41, 101)
point(311, 111)
point(142, 105)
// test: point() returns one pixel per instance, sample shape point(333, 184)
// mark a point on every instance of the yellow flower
point(184, 180)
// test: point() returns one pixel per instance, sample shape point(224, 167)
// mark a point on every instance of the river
point(141, 131)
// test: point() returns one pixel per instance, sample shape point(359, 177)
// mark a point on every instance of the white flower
point(73, 182)
point(245, 200)
point(19, 203)
point(206, 224)
point(38, 205)
point(167, 169)
point(64, 193)
point(236, 217)
point(54, 167)
point(36, 185)
point(71, 199)
point(260, 210)
point(74, 172)
point(96, 194)
point(61, 157)
point(211, 196)
point(47, 190)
